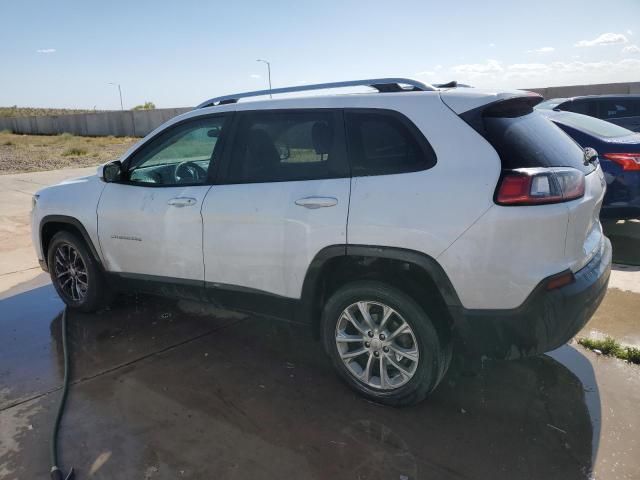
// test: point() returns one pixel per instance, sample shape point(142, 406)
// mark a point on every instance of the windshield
point(591, 125)
point(550, 104)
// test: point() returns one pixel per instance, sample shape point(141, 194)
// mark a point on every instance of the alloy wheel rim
point(377, 345)
point(71, 272)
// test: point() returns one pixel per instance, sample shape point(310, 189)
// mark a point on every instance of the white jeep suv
point(398, 224)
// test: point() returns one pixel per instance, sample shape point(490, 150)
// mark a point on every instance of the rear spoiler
point(463, 100)
point(504, 107)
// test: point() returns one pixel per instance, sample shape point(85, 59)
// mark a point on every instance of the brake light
point(536, 186)
point(628, 161)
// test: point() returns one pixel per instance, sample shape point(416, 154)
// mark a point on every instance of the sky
point(65, 54)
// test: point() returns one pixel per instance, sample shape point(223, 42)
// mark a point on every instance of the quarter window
point(181, 156)
point(382, 143)
point(277, 146)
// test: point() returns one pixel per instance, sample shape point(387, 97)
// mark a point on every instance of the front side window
point(383, 143)
point(181, 156)
point(277, 146)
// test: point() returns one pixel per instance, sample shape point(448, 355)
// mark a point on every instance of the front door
point(149, 224)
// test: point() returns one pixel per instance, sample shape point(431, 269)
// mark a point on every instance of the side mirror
point(111, 172)
point(590, 155)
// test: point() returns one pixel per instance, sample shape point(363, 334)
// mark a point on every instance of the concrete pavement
point(18, 262)
point(165, 389)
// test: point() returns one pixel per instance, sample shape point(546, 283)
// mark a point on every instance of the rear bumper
point(545, 321)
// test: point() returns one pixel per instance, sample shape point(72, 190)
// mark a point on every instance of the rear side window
point(532, 140)
point(617, 108)
point(278, 146)
point(382, 142)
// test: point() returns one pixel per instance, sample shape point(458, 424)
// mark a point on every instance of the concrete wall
point(117, 123)
point(139, 123)
point(596, 89)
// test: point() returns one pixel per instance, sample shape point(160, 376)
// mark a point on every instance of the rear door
point(282, 196)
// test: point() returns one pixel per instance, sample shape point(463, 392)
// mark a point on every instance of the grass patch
point(611, 348)
point(74, 152)
point(8, 143)
point(30, 153)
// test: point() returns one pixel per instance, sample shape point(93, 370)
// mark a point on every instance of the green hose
point(56, 473)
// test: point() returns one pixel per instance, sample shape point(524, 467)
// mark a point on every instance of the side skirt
point(230, 297)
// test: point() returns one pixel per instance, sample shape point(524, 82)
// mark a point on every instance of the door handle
point(182, 201)
point(317, 202)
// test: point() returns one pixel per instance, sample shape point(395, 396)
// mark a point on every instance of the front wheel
point(382, 343)
point(75, 273)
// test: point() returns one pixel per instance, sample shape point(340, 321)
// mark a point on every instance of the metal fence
point(127, 123)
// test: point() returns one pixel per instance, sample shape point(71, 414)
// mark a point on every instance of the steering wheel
point(189, 172)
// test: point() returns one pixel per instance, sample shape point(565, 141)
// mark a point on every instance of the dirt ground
point(31, 153)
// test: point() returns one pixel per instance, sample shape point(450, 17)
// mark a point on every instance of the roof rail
point(380, 84)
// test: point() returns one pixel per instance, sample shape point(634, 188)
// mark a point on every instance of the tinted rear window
point(533, 141)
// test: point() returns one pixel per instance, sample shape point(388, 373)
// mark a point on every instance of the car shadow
point(625, 240)
point(196, 393)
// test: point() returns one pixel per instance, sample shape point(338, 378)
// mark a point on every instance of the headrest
point(322, 137)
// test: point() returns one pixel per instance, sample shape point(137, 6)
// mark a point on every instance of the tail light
point(628, 161)
point(536, 186)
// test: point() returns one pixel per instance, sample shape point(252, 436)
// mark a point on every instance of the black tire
point(434, 354)
point(97, 294)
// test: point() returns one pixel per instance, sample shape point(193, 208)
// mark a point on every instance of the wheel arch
point(416, 273)
point(52, 224)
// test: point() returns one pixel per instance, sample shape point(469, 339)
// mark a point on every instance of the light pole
point(120, 92)
point(268, 72)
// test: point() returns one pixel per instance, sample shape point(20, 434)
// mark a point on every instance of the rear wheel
point(383, 343)
point(75, 273)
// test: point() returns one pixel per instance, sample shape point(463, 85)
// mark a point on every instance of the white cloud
point(438, 67)
point(477, 69)
point(46, 50)
point(492, 45)
point(255, 75)
point(604, 39)
point(629, 32)
point(527, 67)
point(494, 74)
point(542, 50)
point(631, 49)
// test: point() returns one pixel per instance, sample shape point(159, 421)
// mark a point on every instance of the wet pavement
point(166, 389)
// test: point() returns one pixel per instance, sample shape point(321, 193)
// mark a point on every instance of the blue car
point(619, 154)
